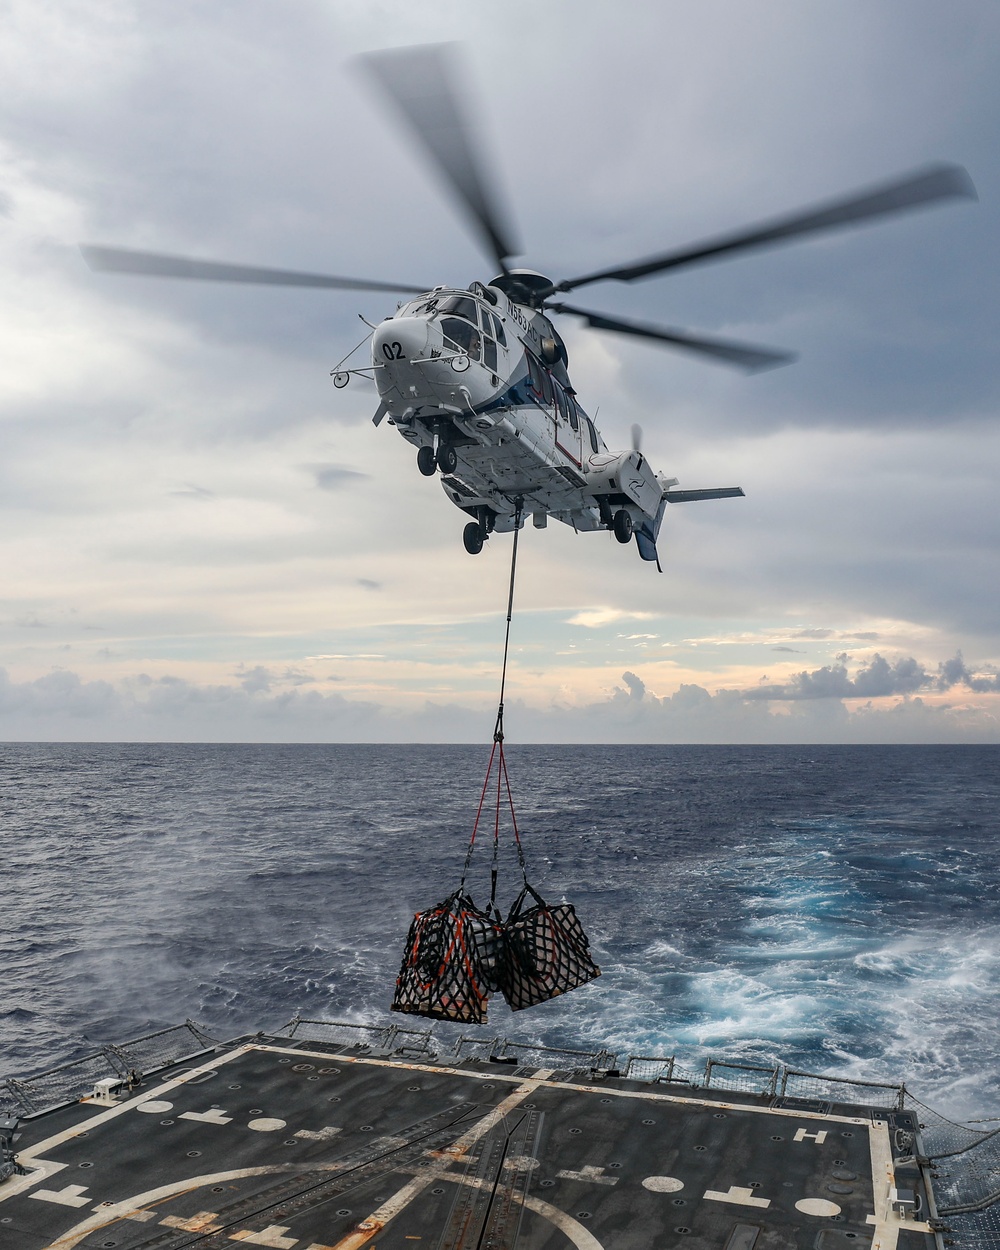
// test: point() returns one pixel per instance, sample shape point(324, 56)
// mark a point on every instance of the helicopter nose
point(400, 338)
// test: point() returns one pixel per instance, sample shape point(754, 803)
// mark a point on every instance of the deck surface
point(300, 1146)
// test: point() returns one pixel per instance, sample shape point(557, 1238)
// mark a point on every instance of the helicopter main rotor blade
point(742, 355)
point(156, 264)
point(939, 182)
point(423, 85)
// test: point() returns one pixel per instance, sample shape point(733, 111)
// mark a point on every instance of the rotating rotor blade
point(742, 355)
point(423, 84)
point(155, 264)
point(938, 182)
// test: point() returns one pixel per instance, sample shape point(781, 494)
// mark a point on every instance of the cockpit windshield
point(460, 306)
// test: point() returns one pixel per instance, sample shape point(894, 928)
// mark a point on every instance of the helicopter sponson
point(478, 383)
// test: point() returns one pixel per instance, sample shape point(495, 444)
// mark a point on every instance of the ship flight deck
point(306, 1145)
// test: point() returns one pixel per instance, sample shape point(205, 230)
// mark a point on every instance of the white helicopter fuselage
point(481, 381)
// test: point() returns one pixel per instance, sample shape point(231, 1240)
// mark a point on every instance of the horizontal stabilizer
point(715, 492)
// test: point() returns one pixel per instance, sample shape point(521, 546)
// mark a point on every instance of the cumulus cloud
point(874, 680)
point(265, 703)
point(955, 672)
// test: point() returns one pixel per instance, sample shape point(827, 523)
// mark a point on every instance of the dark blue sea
point(834, 907)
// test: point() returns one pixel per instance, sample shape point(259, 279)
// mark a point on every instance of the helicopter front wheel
point(447, 458)
point(426, 461)
point(473, 537)
point(622, 525)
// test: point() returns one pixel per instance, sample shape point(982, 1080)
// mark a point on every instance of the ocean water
point(834, 907)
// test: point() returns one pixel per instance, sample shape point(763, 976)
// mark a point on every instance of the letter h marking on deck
point(819, 1137)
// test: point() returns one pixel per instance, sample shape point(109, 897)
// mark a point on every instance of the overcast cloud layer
point(201, 539)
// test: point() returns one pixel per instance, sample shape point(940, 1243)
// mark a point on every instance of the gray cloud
point(335, 476)
point(877, 679)
point(955, 672)
point(873, 681)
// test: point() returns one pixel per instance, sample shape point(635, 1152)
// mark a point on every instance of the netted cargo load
point(457, 954)
point(453, 958)
point(547, 951)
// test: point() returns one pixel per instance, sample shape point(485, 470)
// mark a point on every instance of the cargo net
point(457, 954)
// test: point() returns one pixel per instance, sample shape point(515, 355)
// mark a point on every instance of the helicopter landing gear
point(622, 525)
point(426, 461)
point(473, 537)
point(447, 458)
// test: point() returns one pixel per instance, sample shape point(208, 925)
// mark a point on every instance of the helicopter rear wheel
point(622, 525)
point(473, 538)
point(447, 458)
point(425, 461)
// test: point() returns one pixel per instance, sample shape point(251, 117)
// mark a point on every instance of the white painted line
point(71, 1196)
point(738, 1194)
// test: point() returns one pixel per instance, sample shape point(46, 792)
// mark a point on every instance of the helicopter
point(476, 379)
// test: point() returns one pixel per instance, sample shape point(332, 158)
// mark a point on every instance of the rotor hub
point(525, 286)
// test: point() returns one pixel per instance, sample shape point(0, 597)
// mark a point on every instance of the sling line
point(497, 755)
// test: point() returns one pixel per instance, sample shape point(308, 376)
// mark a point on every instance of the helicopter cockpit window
point(462, 335)
point(490, 354)
point(461, 306)
point(498, 330)
point(594, 444)
point(572, 413)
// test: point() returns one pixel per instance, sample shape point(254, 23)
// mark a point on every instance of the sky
point(201, 539)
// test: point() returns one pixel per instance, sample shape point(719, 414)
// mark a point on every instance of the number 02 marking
point(392, 351)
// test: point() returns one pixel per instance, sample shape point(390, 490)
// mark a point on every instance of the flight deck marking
point(212, 1116)
point(588, 1173)
point(739, 1194)
point(483, 1213)
point(270, 1236)
point(402, 1199)
point(819, 1137)
point(663, 1184)
point(817, 1206)
point(324, 1134)
point(200, 1223)
point(266, 1124)
point(70, 1196)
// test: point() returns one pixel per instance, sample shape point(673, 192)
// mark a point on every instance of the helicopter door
point(568, 433)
